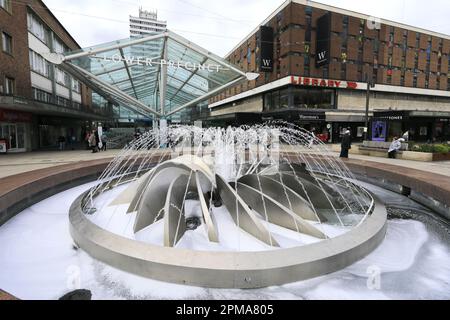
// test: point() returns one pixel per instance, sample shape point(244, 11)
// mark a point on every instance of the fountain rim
point(229, 269)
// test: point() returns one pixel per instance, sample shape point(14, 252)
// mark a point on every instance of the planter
point(416, 156)
point(441, 156)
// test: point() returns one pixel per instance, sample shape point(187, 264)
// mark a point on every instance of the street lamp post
point(370, 84)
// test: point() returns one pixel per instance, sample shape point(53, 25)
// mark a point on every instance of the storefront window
point(303, 98)
point(312, 98)
point(267, 101)
point(284, 99)
point(14, 134)
point(395, 130)
point(20, 136)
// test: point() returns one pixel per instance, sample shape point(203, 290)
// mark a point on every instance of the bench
point(379, 149)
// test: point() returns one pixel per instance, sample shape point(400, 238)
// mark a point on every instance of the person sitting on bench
point(395, 146)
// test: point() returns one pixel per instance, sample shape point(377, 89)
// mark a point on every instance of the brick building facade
point(409, 67)
point(39, 103)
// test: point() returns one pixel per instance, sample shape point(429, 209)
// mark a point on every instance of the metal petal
point(174, 219)
point(276, 212)
point(242, 215)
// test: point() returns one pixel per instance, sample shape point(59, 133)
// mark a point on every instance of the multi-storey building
point(40, 102)
point(315, 62)
point(146, 24)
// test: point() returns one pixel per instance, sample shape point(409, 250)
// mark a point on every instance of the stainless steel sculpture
point(300, 189)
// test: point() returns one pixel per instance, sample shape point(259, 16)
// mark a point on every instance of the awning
point(346, 117)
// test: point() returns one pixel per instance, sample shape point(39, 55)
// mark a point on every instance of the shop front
point(422, 126)
point(15, 131)
point(310, 120)
point(341, 121)
point(51, 129)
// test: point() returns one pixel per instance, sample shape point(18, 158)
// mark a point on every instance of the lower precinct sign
point(326, 83)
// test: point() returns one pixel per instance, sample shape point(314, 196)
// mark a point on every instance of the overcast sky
point(218, 25)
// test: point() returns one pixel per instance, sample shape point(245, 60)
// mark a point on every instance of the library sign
point(325, 83)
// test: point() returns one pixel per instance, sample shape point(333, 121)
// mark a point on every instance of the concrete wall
point(41, 82)
point(251, 105)
point(356, 100)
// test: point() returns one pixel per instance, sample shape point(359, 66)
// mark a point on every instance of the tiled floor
point(11, 164)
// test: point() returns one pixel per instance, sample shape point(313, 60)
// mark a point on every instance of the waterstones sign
point(323, 40)
point(265, 45)
point(326, 83)
point(149, 62)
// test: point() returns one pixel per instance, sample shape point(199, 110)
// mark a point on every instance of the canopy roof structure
point(156, 76)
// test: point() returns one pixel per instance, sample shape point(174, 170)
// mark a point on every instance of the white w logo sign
point(322, 55)
point(266, 62)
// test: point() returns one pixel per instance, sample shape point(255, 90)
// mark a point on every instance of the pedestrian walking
point(346, 144)
point(93, 142)
point(62, 143)
point(104, 140)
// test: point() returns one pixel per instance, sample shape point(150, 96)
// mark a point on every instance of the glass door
point(14, 134)
point(5, 133)
point(20, 136)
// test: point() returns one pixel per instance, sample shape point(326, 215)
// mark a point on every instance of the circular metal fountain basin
point(228, 269)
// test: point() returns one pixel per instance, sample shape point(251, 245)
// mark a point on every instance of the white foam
point(37, 262)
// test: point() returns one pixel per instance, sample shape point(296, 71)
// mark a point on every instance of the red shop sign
point(314, 82)
point(14, 116)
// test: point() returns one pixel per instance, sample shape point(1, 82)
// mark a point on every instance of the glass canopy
point(141, 73)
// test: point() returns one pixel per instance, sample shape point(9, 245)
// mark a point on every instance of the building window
point(9, 86)
point(312, 98)
point(59, 47)
point(41, 95)
point(39, 64)
point(62, 101)
point(7, 44)
point(6, 4)
point(75, 85)
point(308, 10)
point(389, 79)
point(345, 21)
point(62, 77)
point(37, 28)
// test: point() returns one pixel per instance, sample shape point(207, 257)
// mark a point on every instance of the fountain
point(242, 207)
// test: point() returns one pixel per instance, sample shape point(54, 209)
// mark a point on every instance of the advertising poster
point(379, 131)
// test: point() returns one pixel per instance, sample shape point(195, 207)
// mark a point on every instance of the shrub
point(441, 148)
point(431, 148)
